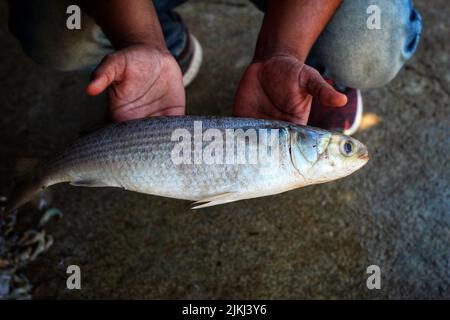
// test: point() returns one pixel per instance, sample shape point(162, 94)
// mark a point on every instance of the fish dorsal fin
point(215, 200)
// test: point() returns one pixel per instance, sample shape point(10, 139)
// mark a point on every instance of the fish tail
point(24, 190)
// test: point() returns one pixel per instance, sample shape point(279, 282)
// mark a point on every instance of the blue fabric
point(413, 30)
point(347, 51)
point(353, 55)
point(173, 28)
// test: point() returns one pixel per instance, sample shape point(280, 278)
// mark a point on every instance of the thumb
point(97, 85)
point(109, 70)
point(321, 90)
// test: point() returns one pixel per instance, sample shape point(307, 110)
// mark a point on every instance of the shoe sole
point(359, 111)
point(197, 60)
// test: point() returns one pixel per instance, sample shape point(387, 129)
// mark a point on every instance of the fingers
point(322, 90)
point(110, 69)
point(97, 85)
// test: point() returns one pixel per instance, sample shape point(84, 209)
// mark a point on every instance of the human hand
point(282, 87)
point(142, 81)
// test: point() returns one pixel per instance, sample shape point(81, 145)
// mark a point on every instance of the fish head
point(322, 156)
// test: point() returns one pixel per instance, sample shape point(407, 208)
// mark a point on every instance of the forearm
point(292, 26)
point(126, 24)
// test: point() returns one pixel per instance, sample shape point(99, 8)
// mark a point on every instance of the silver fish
point(139, 156)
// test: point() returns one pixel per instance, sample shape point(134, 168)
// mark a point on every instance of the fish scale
point(136, 156)
point(134, 152)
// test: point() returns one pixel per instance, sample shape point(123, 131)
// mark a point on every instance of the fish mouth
point(364, 156)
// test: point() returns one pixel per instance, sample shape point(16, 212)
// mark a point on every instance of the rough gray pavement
point(314, 242)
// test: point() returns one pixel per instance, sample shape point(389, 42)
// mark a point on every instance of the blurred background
point(314, 242)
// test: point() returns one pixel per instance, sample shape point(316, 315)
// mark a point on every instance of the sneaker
point(342, 119)
point(190, 59)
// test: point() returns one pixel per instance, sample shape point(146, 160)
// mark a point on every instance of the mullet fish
point(209, 160)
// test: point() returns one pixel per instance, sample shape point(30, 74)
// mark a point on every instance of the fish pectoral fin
point(215, 200)
point(88, 183)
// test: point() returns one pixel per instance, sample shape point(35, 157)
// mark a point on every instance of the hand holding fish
point(142, 81)
point(282, 87)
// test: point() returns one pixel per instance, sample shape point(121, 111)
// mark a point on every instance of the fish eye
point(347, 148)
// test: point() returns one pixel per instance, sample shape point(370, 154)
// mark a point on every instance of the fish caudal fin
point(25, 188)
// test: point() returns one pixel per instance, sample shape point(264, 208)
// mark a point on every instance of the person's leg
point(352, 55)
point(183, 45)
point(355, 55)
point(175, 32)
point(40, 26)
point(41, 29)
point(356, 51)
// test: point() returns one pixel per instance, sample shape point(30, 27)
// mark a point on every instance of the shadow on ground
point(314, 242)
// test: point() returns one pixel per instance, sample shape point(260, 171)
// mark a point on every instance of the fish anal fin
point(215, 200)
point(88, 183)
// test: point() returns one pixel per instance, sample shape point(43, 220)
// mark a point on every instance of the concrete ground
point(314, 242)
